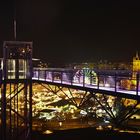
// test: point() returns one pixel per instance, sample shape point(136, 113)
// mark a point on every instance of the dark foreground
point(86, 134)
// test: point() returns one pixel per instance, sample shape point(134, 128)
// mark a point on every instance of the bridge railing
point(107, 80)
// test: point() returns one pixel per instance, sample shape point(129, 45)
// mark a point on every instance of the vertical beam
point(98, 82)
point(71, 77)
point(3, 111)
point(3, 97)
point(0, 76)
point(91, 77)
point(10, 115)
point(115, 77)
point(30, 109)
point(61, 77)
point(137, 84)
point(83, 77)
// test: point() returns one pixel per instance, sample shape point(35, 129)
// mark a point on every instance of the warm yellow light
point(60, 123)
point(48, 132)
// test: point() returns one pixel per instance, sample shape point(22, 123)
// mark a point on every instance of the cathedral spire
point(137, 56)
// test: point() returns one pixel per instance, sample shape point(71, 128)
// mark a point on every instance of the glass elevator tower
point(16, 91)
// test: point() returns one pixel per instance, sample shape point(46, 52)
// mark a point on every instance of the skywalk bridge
point(111, 82)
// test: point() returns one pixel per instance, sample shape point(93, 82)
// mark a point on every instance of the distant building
point(136, 65)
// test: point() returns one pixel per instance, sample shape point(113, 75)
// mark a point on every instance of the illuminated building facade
point(136, 65)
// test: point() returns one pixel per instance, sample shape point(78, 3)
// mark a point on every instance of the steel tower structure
point(16, 91)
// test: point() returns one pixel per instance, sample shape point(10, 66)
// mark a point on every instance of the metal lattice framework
point(117, 112)
point(16, 91)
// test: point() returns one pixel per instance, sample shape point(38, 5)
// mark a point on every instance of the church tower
point(136, 65)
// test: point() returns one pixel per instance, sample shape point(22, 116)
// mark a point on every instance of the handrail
point(105, 80)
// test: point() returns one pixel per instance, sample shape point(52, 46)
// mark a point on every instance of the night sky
point(65, 31)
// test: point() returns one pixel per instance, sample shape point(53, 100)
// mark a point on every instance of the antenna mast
point(15, 22)
point(15, 32)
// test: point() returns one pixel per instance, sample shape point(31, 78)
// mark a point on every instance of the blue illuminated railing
point(117, 81)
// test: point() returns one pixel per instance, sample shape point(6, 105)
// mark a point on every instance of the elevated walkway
point(115, 83)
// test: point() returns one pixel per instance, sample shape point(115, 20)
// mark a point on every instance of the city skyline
point(74, 31)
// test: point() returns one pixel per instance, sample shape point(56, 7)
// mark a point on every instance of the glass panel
point(11, 68)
